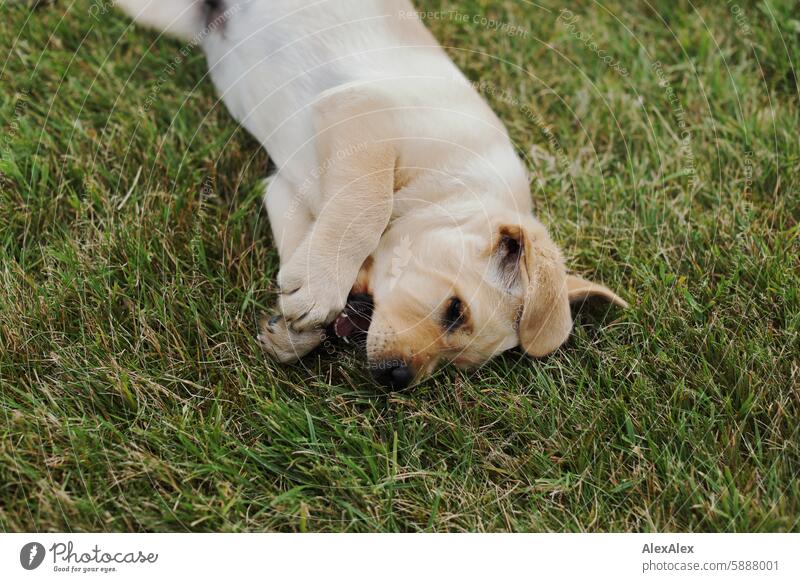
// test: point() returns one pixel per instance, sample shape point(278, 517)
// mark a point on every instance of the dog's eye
point(453, 315)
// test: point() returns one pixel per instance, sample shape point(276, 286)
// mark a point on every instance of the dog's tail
point(181, 18)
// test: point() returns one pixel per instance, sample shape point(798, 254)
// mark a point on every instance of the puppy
point(395, 179)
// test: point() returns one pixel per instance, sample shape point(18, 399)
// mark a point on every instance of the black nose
point(394, 374)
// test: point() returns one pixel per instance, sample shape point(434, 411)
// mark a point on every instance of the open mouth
point(352, 324)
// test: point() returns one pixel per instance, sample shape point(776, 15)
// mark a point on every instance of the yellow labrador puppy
point(394, 179)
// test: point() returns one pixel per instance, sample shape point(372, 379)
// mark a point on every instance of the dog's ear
point(579, 290)
point(545, 319)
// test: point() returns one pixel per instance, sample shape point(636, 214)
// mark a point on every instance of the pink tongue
point(354, 318)
point(343, 326)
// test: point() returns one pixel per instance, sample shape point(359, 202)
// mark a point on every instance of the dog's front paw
point(309, 303)
point(284, 344)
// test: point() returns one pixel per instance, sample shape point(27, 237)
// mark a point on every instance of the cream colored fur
point(388, 159)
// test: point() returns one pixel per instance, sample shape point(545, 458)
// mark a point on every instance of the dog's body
point(394, 176)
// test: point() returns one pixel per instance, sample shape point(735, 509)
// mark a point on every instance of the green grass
point(135, 263)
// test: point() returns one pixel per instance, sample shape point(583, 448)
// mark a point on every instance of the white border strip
point(389, 557)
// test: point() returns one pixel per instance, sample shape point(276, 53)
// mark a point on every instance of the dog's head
point(463, 288)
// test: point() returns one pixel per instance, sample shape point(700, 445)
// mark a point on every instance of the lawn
point(136, 263)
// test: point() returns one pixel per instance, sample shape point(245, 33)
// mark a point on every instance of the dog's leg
point(284, 344)
point(289, 217)
point(357, 192)
point(290, 221)
point(352, 211)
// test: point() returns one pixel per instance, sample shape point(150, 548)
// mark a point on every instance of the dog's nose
point(393, 374)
